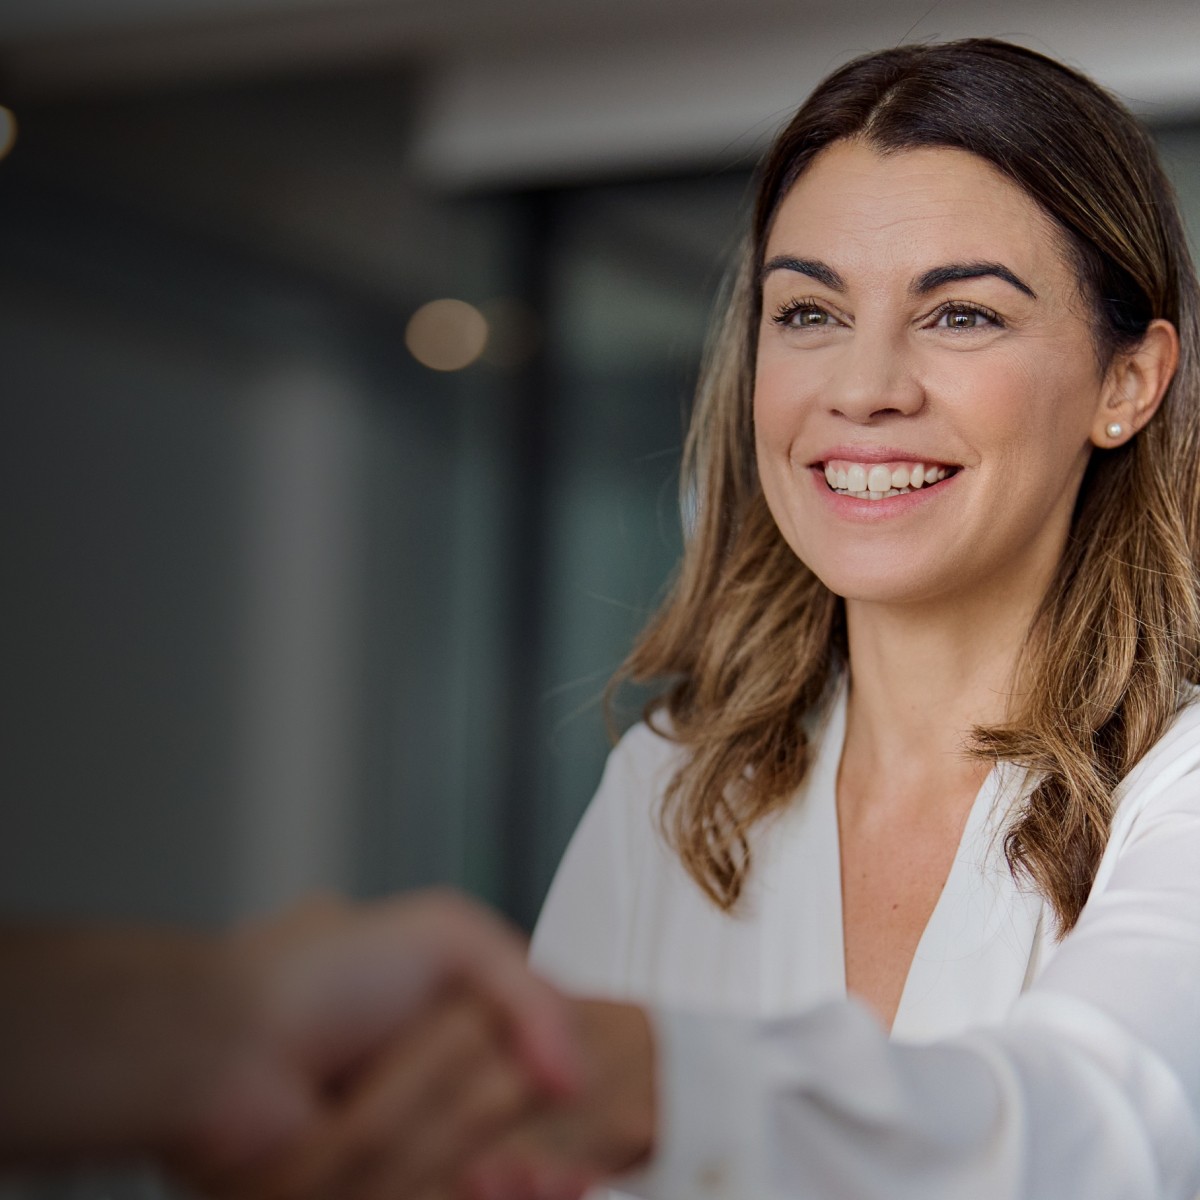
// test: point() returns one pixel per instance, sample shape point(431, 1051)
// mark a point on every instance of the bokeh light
point(446, 335)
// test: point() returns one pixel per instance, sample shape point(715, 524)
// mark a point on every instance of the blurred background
point(345, 354)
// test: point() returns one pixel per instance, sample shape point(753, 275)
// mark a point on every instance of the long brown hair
point(749, 639)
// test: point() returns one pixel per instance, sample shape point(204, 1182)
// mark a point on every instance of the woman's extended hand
point(607, 1128)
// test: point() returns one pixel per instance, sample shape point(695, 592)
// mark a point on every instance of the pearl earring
point(1115, 429)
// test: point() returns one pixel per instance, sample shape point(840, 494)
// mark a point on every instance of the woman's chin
point(896, 588)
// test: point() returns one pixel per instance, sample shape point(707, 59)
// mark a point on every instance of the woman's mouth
point(878, 481)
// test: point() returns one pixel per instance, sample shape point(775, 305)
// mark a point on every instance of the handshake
point(400, 1049)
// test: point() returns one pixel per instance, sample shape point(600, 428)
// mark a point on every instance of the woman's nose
point(873, 379)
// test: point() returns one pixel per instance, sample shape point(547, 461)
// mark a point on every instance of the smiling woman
point(884, 364)
point(928, 736)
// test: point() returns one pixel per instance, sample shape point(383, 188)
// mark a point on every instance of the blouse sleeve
point(1089, 1090)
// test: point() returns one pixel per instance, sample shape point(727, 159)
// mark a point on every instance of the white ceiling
point(529, 90)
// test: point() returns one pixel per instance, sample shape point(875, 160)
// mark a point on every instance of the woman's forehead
point(906, 210)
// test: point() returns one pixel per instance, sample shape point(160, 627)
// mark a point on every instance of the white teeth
point(868, 495)
point(879, 479)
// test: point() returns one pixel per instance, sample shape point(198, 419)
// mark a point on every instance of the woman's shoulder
point(650, 739)
point(644, 761)
point(1174, 755)
point(582, 935)
point(1166, 777)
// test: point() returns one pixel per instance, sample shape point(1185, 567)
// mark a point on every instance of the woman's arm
point(1091, 1088)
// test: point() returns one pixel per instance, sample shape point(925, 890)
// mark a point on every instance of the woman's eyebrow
point(927, 282)
point(803, 266)
point(953, 272)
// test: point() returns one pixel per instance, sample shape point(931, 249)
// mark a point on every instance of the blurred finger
point(460, 1121)
point(481, 949)
point(514, 1176)
point(390, 1109)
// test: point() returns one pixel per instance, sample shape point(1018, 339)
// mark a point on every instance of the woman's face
point(927, 387)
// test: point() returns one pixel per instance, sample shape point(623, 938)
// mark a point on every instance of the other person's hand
point(229, 1056)
point(608, 1127)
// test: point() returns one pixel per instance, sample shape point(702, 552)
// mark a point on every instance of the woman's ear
point(1136, 382)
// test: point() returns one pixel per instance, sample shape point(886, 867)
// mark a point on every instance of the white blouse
point(1018, 1066)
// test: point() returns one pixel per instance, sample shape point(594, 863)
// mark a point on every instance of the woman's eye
point(803, 316)
point(961, 317)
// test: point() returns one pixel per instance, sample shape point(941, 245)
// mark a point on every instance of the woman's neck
point(921, 680)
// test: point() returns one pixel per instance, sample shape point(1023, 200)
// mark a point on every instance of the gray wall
point(285, 609)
